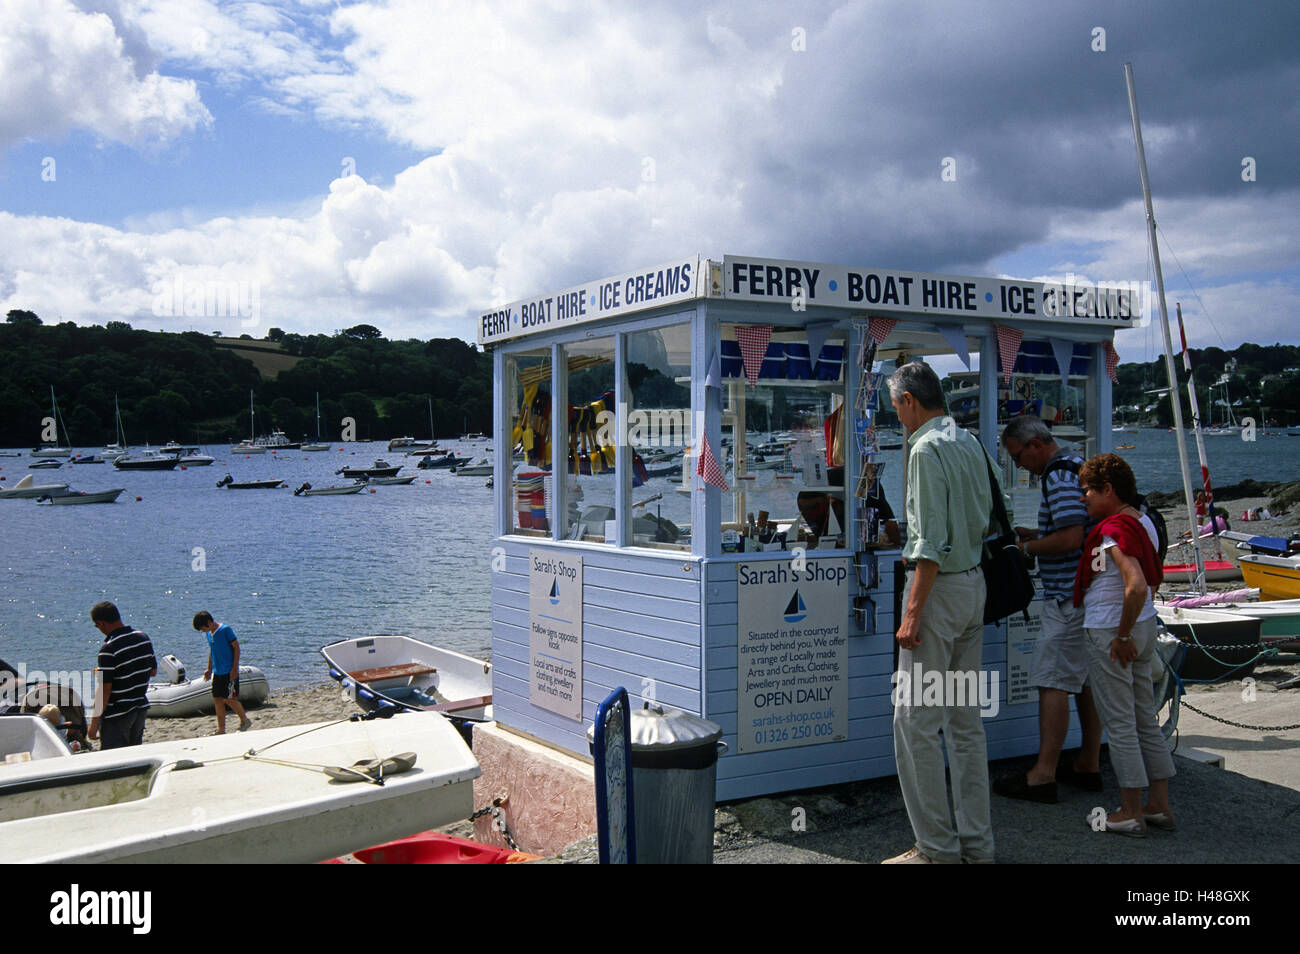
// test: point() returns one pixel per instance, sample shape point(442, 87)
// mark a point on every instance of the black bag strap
point(999, 506)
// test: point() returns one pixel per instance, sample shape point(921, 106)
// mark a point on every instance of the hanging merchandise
point(532, 432)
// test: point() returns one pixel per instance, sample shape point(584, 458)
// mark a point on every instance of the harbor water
point(291, 574)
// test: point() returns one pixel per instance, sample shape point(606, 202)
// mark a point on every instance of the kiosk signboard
point(793, 652)
point(1021, 639)
point(555, 632)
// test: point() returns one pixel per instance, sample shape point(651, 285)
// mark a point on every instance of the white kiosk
point(692, 468)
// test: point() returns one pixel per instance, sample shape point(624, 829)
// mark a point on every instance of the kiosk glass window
point(783, 440)
point(528, 377)
point(591, 489)
point(660, 432)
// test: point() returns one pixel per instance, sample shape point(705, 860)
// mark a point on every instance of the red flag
point(753, 341)
point(706, 465)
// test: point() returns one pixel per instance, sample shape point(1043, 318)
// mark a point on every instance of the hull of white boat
point(194, 697)
point(205, 801)
point(247, 449)
point(431, 676)
point(99, 497)
point(330, 491)
point(29, 488)
point(477, 470)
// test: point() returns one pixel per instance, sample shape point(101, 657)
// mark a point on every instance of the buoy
point(372, 490)
point(138, 499)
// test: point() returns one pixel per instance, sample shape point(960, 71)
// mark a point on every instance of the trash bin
point(674, 781)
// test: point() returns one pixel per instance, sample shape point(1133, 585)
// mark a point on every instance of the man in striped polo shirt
point(126, 661)
point(1060, 667)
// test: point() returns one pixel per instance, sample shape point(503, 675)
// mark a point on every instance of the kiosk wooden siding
point(641, 621)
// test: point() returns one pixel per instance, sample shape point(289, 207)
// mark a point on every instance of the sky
point(410, 163)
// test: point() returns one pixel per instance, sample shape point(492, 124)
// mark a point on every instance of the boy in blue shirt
point(223, 669)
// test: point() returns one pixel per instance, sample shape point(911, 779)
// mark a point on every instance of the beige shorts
point(1060, 657)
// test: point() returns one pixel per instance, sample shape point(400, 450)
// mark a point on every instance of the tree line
point(185, 387)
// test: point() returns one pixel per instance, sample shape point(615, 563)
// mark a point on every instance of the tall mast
point(1164, 327)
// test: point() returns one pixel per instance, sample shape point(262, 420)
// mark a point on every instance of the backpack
point(1157, 521)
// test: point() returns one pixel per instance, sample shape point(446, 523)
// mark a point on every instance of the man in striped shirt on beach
point(126, 661)
point(1060, 668)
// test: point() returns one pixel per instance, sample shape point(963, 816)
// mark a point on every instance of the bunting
point(879, 329)
point(706, 465)
point(1112, 361)
point(714, 378)
point(1064, 352)
point(753, 341)
point(1008, 348)
point(955, 335)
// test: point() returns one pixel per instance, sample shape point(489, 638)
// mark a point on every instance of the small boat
point(447, 460)
point(81, 497)
point(247, 447)
point(1216, 571)
point(397, 442)
point(277, 441)
point(231, 484)
point(481, 469)
point(307, 490)
point(1125, 446)
point(1219, 645)
point(148, 460)
point(381, 468)
point(48, 464)
point(266, 795)
point(186, 697)
point(318, 444)
point(1276, 577)
point(87, 460)
point(388, 671)
point(433, 848)
point(27, 487)
point(390, 481)
point(192, 456)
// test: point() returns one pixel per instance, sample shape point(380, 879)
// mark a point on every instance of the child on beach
point(223, 669)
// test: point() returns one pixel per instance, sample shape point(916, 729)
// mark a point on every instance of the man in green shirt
point(948, 506)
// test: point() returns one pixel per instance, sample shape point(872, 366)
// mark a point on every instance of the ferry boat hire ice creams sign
point(793, 653)
point(555, 632)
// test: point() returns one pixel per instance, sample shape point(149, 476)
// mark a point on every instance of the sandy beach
point(302, 705)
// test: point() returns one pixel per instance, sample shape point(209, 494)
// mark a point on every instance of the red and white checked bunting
point(878, 329)
point(753, 341)
point(706, 465)
point(1112, 361)
point(1008, 348)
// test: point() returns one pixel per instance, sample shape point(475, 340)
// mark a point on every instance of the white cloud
point(63, 69)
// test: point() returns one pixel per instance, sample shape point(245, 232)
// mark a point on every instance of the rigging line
point(1190, 287)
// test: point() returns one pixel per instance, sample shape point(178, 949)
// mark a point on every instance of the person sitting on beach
point(1118, 572)
point(223, 669)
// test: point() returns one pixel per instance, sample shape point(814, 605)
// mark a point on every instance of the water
point(291, 574)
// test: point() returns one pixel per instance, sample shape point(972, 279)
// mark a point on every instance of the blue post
point(615, 821)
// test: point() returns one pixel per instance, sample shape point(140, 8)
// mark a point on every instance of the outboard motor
point(225, 480)
point(172, 668)
point(305, 486)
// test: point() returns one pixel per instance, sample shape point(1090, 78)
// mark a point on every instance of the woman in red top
point(1118, 572)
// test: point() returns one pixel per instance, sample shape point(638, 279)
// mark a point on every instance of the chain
point(1238, 725)
point(494, 809)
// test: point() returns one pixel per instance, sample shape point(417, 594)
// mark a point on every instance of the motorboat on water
point(148, 460)
point(51, 463)
point(390, 481)
point(392, 671)
point(247, 447)
point(27, 487)
point(397, 442)
point(481, 469)
point(81, 497)
point(381, 468)
point(185, 697)
point(307, 490)
point(448, 460)
point(297, 794)
point(231, 484)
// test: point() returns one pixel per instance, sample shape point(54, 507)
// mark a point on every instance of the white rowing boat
point(398, 672)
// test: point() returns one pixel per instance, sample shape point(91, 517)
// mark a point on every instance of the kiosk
point(693, 468)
